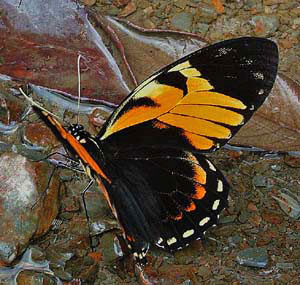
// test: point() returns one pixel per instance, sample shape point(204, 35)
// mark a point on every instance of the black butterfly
point(148, 157)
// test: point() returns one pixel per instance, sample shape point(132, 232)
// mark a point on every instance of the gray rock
point(265, 25)
point(183, 21)
point(254, 257)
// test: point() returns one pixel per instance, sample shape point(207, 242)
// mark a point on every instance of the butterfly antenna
point(79, 87)
point(38, 105)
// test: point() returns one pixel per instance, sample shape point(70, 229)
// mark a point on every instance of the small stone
point(254, 257)
point(259, 181)
point(296, 11)
point(22, 184)
point(276, 167)
point(285, 265)
point(120, 3)
point(265, 25)
point(250, 4)
point(204, 272)
point(272, 218)
point(286, 43)
point(202, 28)
point(244, 216)
point(273, 2)
point(292, 161)
point(180, 4)
point(252, 207)
point(89, 2)
point(255, 220)
point(218, 6)
point(297, 22)
point(182, 21)
point(128, 10)
point(289, 203)
point(63, 275)
point(206, 13)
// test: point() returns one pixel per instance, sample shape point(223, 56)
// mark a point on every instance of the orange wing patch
point(212, 98)
point(80, 150)
point(191, 207)
point(200, 192)
point(210, 113)
point(164, 97)
point(197, 113)
point(198, 142)
point(196, 126)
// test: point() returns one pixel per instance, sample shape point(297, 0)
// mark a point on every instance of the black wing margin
point(167, 197)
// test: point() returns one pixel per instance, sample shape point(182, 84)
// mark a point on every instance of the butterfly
point(148, 158)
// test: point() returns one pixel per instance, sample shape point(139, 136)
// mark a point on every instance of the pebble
point(202, 28)
point(289, 203)
point(206, 13)
point(22, 202)
point(254, 257)
point(273, 2)
point(183, 21)
point(259, 181)
point(285, 265)
point(265, 26)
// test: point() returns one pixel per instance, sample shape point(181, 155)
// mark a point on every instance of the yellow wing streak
point(212, 98)
point(164, 98)
point(198, 142)
point(211, 113)
point(180, 66)
point(196, 126)
point(197, 84)
point(190, 72)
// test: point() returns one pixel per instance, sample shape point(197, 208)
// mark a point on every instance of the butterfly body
point(148, 157)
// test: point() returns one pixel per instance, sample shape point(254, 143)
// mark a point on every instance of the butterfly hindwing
point(199, 102)
point(167, 197)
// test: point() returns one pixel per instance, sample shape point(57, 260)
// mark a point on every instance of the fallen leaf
point(276, 125)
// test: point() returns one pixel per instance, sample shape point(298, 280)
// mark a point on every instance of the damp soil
point(265, 194)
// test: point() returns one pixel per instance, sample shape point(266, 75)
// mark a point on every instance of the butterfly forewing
point(199, 101)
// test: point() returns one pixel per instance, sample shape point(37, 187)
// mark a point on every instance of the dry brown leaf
point(276, 125)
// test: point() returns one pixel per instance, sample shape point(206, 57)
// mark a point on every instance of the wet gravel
point(257, 241)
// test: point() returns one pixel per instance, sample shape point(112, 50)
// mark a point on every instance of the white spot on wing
point(211, 166)
point(258, 75)
point(216, 204)
point(171, 240)
point(220, 186)
point(204, 221)
point(160, 240)
point(188, 233)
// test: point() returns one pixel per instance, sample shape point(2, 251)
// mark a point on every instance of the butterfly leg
point(85, 208)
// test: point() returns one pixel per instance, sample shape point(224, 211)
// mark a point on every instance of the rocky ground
point(257, 241)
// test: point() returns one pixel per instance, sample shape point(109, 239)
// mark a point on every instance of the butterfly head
point(78, 132)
